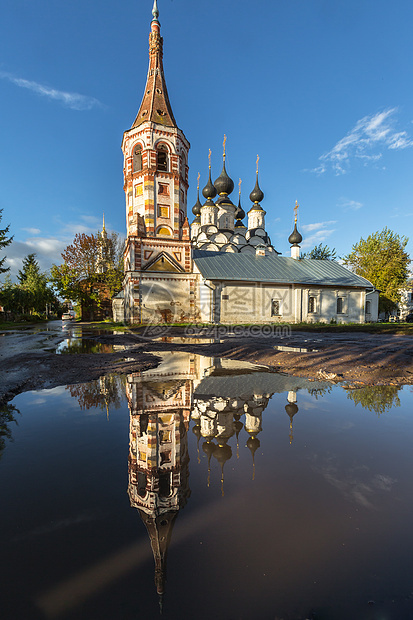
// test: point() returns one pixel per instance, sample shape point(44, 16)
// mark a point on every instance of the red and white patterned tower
point(156, 184)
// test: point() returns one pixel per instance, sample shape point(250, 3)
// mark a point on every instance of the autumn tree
point(91, 269)
point(320, 252)
point(4, 242)
point(382, 259)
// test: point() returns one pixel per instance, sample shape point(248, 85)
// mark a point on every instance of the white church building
point(220, 268)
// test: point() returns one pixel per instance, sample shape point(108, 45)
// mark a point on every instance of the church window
point(164, 231)
point(312, 305)
point(162, 158)
point(340, 305)
point(164, 484)
point(138, 190)
point(142, 482)
point(137, 158)
point(142, 456)
point(163, 189)
point(163, 211)
point(275, 307)
point(158, 90)
point(368, 307)
point(165, 457)
point(161, 112)
point(165, 436)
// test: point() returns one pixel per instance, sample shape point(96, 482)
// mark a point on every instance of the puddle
point(295, 349)
point(187, 340)
point(212, 458)
point(73, 346)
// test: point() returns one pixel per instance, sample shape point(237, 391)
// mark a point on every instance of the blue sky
point(320, 89)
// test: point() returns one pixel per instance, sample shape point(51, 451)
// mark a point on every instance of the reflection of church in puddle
point(215, 393)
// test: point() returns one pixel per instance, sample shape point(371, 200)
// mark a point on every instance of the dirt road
point(28, 358)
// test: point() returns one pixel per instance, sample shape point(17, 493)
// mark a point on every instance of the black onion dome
point(239, 213)
point(253, 444)
point(291, 409)
point(196, 209)
point(257, 195)
point(224, 184)
point(209, 190)
point(295, 238)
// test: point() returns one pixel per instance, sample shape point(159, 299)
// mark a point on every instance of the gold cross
point(224, 143)
point(209, 157)
point(199, 176)
point(258, 159)
point(239, 186)
point(296, 210)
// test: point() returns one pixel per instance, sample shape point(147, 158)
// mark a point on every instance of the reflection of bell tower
point(158, 457)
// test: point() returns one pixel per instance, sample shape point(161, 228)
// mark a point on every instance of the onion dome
point(291, 409)
point(257, 195)
point(224, 184)
point(196, 209)
point(209, 190)
point(239, 213)
point(253, 444)
point(295, 238)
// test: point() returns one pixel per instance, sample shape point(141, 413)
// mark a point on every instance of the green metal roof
point(276, 269)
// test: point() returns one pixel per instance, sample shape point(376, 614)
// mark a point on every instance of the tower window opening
point(137, 159)
point(164, 485)
point(142, 482)
point(162, 159)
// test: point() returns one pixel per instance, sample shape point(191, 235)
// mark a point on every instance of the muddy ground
point(28, 358)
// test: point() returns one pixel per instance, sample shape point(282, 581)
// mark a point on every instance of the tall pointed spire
point(155, 106)
point(155, 11)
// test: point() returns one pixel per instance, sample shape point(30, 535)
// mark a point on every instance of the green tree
point(4, 242)
point(382, 259)
point(30, 265)
point(7, 417)
point(377, 398)
point(320, 252)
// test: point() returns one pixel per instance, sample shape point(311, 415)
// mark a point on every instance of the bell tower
point(155, 172)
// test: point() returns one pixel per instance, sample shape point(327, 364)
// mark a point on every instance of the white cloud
point(370, 133)
point(75, 101)
point(32, 231)
point(349, 205)
point(47, 252)
point(320, 233)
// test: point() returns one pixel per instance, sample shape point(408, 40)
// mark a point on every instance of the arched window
point(162, 158)
point(137, 158)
